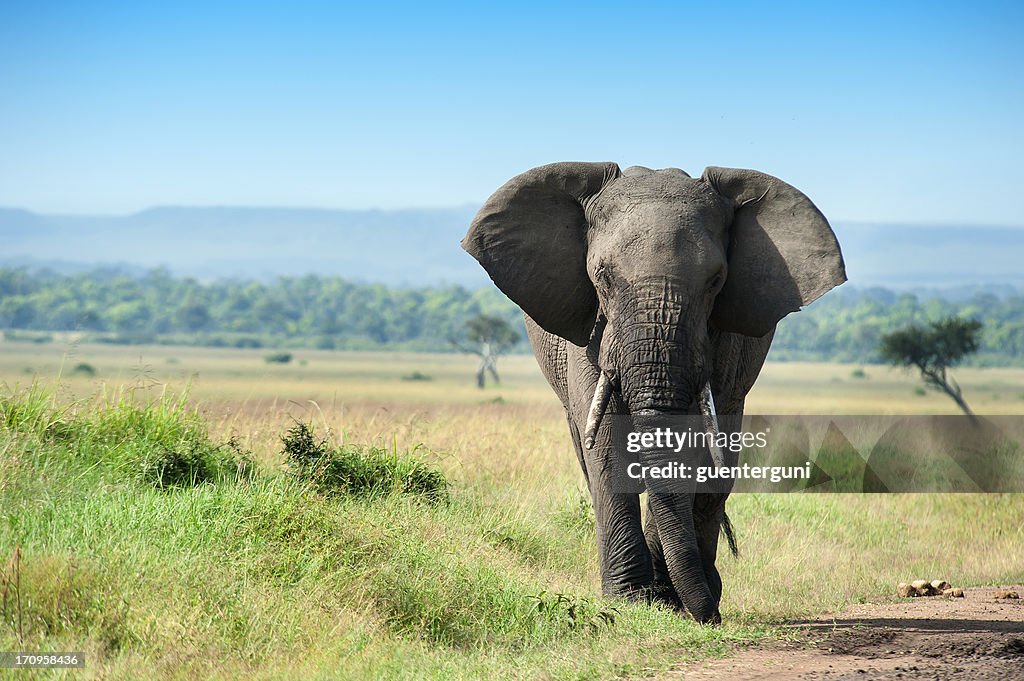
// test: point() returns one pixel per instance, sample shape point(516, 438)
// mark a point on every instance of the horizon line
point(857, 222)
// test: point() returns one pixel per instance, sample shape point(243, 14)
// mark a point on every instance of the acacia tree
point(487, 337)
point(933, 349)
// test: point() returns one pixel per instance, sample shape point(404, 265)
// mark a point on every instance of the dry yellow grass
point(819, 388)
point(347, 378)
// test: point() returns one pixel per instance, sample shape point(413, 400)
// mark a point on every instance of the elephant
point(649, 292)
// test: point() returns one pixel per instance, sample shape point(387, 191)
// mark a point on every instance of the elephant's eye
point(716, 282)
point(601, 273)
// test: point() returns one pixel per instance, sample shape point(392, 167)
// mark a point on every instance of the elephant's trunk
point(664, 368)
point(673, 516)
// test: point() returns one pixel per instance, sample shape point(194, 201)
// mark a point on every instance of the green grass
point(266, 574)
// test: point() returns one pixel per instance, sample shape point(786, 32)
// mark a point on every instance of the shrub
point(359, 471)
point(83, 369)
point(160, 441)
point(168, 468)
point(417, 376)
point(858, 373)
point(278, 358)
point(195, 466)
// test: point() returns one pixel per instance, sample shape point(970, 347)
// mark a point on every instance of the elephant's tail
point(729, 535)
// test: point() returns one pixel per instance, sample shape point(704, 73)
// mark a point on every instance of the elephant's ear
point(531, 237)
point(782, 252)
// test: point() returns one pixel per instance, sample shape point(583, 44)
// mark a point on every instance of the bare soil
point(976, 637)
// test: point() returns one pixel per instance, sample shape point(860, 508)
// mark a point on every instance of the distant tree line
point(309, 311)
point(332, 313)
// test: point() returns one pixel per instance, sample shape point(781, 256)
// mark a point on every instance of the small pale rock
point(905, 590)
point(941, 584)
point(1006, 594)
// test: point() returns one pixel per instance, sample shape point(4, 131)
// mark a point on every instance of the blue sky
point(879, 112)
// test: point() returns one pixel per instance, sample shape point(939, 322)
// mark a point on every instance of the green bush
point(278, 358)
point(359, 471)
point(195, 465)
point(83, 369)
point(575, 612)
point(158, 440)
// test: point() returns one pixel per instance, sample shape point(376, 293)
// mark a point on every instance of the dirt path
point(975, 637)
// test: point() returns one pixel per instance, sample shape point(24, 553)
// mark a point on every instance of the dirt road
point(979, 636)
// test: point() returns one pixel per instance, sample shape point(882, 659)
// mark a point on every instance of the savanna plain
point(155, 513)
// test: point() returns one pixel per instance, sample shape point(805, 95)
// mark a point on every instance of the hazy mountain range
point(416, 247)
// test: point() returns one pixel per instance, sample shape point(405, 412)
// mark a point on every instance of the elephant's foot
point(631, 593)
point(663, 593)
point(667, 596)
point(711, 618)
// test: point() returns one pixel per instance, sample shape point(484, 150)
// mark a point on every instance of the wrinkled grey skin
point(664, 283)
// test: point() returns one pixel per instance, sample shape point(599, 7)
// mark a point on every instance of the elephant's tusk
point(602, 393)
point(707, 408)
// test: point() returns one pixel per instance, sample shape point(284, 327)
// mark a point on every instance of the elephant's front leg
point(621, 548)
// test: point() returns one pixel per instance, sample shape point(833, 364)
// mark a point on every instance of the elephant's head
point(660, 259)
